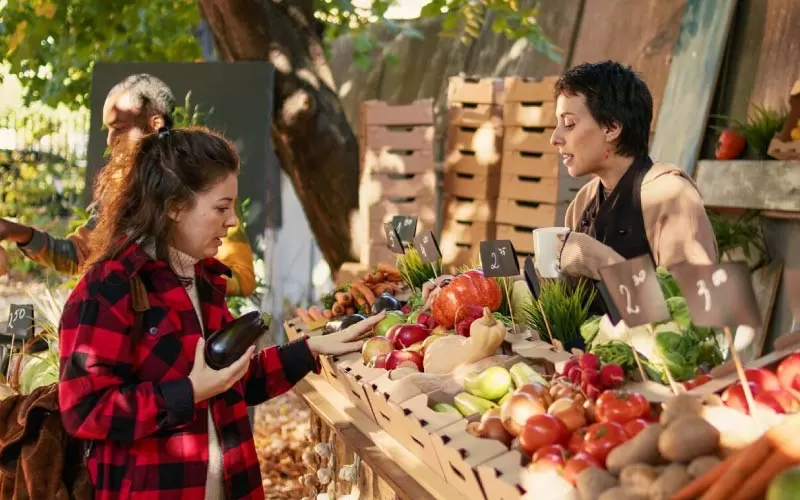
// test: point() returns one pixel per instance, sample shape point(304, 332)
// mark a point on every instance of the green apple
point(389, 321)
point(412, 318)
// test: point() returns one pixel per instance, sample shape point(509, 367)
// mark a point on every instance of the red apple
point(789, 372)
point(408, 335)
point(734, 397)
point(375, 346)
point(780, 401)
point(379, 361)
point(394, 358)
point(763, 378)
point(391, 333)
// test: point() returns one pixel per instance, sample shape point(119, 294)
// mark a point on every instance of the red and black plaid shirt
point(134, 403)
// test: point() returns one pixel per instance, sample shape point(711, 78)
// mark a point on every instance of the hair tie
point(163, 132)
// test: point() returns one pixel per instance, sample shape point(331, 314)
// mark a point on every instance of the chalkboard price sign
point(20, 321)
point(719, 295)
point(530, 277)
point(635, 291)
point(428, 247)
point(499, 259)
point(393, 239)
point(406, 226)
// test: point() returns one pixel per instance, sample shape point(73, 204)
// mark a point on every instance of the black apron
point(616, 220)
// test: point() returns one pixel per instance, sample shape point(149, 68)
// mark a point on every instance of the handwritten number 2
point(628, 305)
point(495, 264)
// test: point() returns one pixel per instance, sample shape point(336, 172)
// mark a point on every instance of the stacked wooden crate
point(534, 189)
point(398, 176)
point(471, 167)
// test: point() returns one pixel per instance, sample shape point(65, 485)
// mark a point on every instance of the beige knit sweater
point(678, 228)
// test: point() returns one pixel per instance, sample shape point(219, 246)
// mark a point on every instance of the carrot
point(338, 309)
point(350, 310)
point(701, 484)
point(327, 313)
point(316, 313)
point(303, 313)
point(347, 299)
point(339, 297)
point(358, 286)
point(359, 299)
point(387, 268)
point(381, 288)
point(377, 277)
point(743, 463)
point(757, 483)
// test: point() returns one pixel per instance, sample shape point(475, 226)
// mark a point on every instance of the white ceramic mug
point(545, 243)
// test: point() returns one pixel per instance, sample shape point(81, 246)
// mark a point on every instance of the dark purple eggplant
point(342, 322)
point(386, 302)
point(227, 344)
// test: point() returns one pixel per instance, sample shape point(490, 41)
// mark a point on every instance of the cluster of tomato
point(618, 416)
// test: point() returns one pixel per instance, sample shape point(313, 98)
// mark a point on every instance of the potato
point(621, 493)
point(638, 478)
point(701, 465)
point(592, 482)
point(688, 438)
point(643, 448)
point(670, 482)
point(682, 405)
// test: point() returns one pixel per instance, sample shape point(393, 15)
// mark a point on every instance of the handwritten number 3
point(702, 291)
point(629, 306)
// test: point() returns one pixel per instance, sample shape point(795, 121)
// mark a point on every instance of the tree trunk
point(314, 142)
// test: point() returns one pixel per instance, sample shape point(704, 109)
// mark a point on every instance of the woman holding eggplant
point(134, 381)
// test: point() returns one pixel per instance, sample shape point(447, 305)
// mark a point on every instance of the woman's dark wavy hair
point(138, 189)
point(614, 94)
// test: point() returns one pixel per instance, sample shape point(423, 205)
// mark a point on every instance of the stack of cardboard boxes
point(471, 167)
point(534, 189)
point(398, 174)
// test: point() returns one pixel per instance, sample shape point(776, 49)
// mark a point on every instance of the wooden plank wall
point(779, 57)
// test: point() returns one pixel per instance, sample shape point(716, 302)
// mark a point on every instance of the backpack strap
point(140, 304)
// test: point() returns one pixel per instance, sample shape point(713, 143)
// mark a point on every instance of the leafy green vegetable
point(669, 286)
point(590, 329)
point(565, 307)
point(415, 273)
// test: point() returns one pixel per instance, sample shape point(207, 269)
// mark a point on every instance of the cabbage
point(40, 370)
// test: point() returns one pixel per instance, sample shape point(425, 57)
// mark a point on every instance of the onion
point(518, 409)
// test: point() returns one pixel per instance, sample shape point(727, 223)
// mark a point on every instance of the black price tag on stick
point(20, 321)
point(530, 277)
point(635, 291)
point(393, 239)
point(793, 290)
point(608, 302)
point(428, 247)
point(719, 295)
point(499, 259)
point(406, 226)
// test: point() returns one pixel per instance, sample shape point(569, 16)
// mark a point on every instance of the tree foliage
point(51, 46)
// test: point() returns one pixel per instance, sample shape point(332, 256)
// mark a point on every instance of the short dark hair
point(153, 95)
point(614, 94)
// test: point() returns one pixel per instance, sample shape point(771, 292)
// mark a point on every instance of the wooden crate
point(419, 112)
point(520, 89)
point(457, 231)
point(475, 90)
point(385, 160)
point(533, 139)
point(467, 162)
point(524, 114)
point(467, 209)
point(474, 115)
point(466, 185)
point(530, 214)
point(539, 189)
point(377, 211)
point(535, 164)
point(402, 137)
point(383, 185)
point(520, 236)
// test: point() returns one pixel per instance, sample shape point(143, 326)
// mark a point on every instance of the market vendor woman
point(631, 206)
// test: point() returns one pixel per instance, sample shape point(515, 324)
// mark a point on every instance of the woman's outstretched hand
point(207, 382)
point(345, 341)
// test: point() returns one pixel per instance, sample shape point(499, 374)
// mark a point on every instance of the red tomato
point(635, 426)
point(541, 430)
point(788, 372)
point(575, 465)
point(734, 397)
point(730, 145)
point(576, 440)
point(763, 378)
point(553, 449)
point(603, 437)
point(621, 406)
point(551, 461)
point(696, 382)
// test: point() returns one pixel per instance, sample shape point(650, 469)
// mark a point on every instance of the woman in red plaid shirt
point(160, 423)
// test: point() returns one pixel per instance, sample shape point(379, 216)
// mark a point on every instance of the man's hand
point(15, 233)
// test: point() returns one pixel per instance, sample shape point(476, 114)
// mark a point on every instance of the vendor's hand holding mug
point(547, 245)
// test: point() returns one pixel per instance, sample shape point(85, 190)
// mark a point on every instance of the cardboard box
point(535, 140)
point(460, 454)
point(532, 164)
point(474, 115)
point(356, 375)
point(529, 114)
point(467, 209)
point(419, 112)
point(520, 89)
point(385, 395)
point(474, 90)
point(456, 231)
point(529, 214)
point(502, 477)
point(457, 254)
point(383, 159)
point(375, 212)
point(467, 162)
point(539, 189)
point(466, 185)
point(399, 137)
point(421, 420)
point(485, 141)
point(332, 372)
point(420, 185)
point(520, 237)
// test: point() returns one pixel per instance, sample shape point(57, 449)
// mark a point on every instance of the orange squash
point(471, 288)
